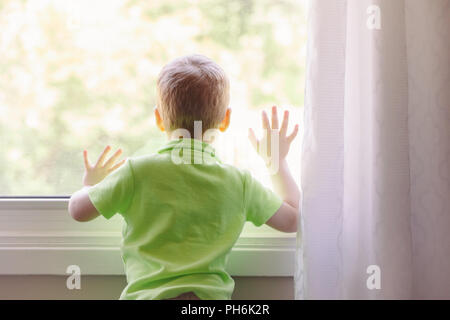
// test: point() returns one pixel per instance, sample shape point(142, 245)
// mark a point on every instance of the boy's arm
point(80, 205)
point(285, 218)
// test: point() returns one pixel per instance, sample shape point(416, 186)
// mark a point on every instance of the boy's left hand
point(95, 174)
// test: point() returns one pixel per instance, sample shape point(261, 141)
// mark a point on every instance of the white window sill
point(38, 237)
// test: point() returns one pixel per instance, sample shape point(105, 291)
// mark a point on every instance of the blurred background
point(81, 74)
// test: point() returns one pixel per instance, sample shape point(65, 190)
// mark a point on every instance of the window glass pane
point(81, 74)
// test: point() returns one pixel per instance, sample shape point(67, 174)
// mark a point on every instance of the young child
point(183, 218)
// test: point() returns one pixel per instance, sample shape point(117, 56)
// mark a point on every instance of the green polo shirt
point(183, 211)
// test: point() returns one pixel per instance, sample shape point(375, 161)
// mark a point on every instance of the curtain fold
point(376, 151)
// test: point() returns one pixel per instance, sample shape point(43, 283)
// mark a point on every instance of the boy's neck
point(209, 140)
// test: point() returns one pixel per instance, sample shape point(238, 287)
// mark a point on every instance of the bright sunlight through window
point(81, 74)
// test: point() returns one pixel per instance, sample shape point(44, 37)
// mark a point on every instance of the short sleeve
point(114, 193)
point(260, 202)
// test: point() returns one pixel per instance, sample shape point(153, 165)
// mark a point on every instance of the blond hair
point(192, 88)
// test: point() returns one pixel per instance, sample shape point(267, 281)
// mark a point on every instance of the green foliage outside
point(79, 75)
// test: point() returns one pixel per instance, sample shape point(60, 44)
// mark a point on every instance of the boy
point(182, 219)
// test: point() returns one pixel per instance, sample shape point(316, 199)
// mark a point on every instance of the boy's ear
point(226, 121)
point(159, 121)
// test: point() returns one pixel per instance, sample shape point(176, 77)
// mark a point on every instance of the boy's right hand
point(271, 132)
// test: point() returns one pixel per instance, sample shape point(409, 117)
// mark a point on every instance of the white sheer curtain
point(376, 151)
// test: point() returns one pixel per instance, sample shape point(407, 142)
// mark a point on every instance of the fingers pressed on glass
point(285, 123)
point(274, 117)
point(292, 136)
point(117, 165)
point(113, 158)
point(102, 156)
point(252, 138)
point(265, 120)
point(86, 161)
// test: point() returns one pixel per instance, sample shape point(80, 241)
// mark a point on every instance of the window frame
point(38, 237)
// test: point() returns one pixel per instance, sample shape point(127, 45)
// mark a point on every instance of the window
point(81, 74)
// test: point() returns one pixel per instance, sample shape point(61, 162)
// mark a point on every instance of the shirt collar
point(189, 143)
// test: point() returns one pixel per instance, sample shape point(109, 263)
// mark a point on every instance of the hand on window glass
point(95, 174)
point(272, 133)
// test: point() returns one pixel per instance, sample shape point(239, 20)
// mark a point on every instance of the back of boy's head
point(192, 88)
